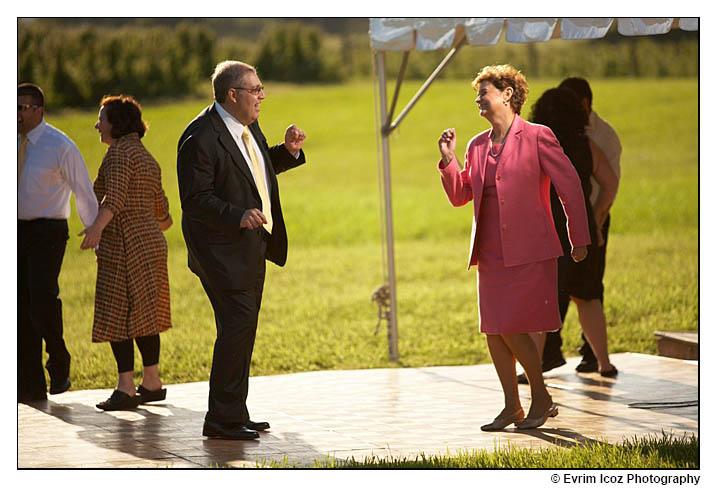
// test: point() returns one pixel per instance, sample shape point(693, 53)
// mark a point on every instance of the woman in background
point(132, 299)
point(560, 109)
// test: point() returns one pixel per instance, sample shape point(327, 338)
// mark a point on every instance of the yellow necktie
point(258, 178)
point(21, 157)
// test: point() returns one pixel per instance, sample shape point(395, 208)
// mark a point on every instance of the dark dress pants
point(40, 248)
point(552, 349)
point(236, 313)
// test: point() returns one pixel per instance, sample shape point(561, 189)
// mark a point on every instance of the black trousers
point(236, 314)
point(40, 249)
point(552, 349)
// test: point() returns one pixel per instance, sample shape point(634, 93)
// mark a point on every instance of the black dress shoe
point(31, 397)
point(59, 371)
point(228, 431)
point(119, 401)
point(586, 351)
point(257, 425)
point(587, 366)
point(59, 386)
point(550, 363)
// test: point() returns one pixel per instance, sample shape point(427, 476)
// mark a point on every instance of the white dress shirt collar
point(35, 133)
point(234, 125)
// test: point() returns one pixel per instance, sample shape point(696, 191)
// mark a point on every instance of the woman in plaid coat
point(132, 299)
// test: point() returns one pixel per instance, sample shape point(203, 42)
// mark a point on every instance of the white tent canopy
point(427, 34)
point(403, 34)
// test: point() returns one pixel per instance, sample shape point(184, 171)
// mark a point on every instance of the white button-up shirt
point(236, 129)
point(601, 132)
point(53, 169)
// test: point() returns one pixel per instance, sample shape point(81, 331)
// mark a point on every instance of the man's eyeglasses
point(254, 91)
point(25, 106)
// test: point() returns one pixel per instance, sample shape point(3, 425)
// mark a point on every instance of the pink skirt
point(514, 299)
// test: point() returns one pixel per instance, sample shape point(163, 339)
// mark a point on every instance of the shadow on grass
point(563, 437)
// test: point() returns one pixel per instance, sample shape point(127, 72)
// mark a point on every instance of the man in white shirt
point(600, 132)
point(50, 168)
point(232, 222)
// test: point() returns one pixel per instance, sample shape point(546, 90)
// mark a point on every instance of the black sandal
point(119, 401)
point(611, 373)
point(146, 395)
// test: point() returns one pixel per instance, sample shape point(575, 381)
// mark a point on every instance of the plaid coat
point(132, 297)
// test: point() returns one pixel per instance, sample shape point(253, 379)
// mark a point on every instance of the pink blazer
point(531, 160)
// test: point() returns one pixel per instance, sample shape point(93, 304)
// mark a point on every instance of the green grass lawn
point(653, 452)
point(317, 311)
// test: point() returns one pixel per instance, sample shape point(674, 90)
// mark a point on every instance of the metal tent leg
point(393, 334)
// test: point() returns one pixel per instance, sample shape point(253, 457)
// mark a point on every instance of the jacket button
point(503, 227)
point(502, 201)
point(498, 177)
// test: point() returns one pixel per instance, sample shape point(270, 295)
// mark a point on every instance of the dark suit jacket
point(216, 188)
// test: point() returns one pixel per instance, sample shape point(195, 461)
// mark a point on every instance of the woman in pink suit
point(508, 172)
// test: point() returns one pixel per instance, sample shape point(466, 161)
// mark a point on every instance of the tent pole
point(399, 81)
point(390, 128)
point(393, 337)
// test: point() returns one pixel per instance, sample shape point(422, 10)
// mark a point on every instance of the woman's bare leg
point(524, 349)
point(505, 365)
point(593, 323)
point(151, 377)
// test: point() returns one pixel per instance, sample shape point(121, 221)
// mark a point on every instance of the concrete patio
point(396, 413)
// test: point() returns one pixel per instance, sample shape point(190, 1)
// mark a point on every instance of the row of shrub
point(77, 65)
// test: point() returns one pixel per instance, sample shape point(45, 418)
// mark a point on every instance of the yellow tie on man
point(21, 157)
point(258, 178)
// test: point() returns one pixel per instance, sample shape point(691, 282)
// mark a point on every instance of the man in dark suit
point(232, 221)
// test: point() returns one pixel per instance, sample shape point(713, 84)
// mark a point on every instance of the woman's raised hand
point(447, 145)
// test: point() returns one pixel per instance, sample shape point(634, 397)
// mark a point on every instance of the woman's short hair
point(503, 76)
point(124, 113)
point(228, 74)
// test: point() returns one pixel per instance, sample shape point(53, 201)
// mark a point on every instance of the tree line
point(77, 64)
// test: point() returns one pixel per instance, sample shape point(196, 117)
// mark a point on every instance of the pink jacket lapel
point(483, 154)
point(512, 141)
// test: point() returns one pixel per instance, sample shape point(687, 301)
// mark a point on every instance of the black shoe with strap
point(151, 395)
point(119, 401)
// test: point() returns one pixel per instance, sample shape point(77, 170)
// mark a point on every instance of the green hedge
point(77, 64)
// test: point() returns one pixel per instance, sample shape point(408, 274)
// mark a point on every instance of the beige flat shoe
point(503, 422)
point(530, 423)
